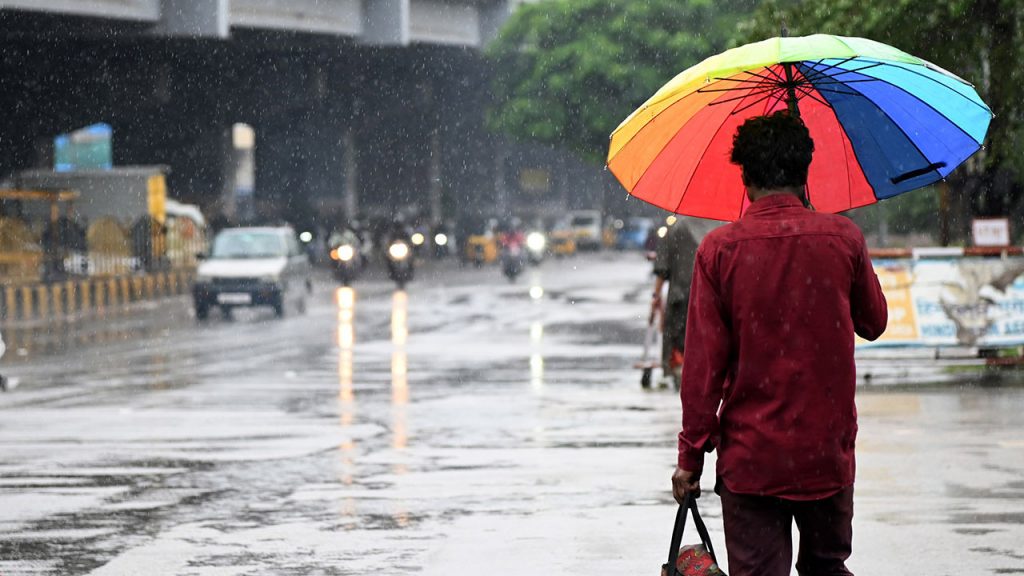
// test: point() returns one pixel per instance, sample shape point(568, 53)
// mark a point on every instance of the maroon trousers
point(759, 534)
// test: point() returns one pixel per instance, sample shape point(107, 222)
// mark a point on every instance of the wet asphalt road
point(462, 427)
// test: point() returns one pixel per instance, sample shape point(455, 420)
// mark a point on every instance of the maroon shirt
point(769, 377)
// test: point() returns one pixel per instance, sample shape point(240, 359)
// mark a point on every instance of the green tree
point(566, 72)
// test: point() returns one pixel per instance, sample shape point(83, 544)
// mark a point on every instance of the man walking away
point(769, 375)
point(673, 263)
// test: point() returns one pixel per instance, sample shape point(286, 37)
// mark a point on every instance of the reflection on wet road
point(463, 425)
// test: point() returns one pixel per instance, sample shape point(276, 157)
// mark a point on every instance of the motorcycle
point(513, 261)
point(536, 247)
point(441, 248)
point(347, 263)
point(400, 263)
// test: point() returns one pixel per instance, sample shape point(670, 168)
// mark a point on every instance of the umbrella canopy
point(883, 123)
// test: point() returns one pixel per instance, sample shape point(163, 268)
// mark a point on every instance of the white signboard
point(991, 231)
point(952, 302)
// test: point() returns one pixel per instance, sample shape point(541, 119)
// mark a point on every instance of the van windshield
point(248, 245)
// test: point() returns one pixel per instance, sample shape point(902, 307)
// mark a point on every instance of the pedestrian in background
point(673, 263)
point(3, 350)
point(769, 375)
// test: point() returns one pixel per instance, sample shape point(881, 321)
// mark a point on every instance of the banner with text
point(952, 302)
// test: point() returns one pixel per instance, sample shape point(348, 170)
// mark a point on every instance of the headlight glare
point(535, 241)
point(346, 253)
point(398, 251)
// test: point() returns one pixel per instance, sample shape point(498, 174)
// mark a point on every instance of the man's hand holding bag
point(695, 559)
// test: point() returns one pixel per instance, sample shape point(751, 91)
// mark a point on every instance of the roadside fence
point(67, 267)
point(69, 298)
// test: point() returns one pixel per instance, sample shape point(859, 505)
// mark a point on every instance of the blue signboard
point(88, 148)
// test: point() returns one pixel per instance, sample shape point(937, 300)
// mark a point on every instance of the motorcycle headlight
point(418, 239)
point(398, 251)
point(536, 241)
point(346, 253)
point(441, 240)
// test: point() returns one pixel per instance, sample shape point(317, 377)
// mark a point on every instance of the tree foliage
point(568, 71)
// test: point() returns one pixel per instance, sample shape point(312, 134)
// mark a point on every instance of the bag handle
point(689, 503)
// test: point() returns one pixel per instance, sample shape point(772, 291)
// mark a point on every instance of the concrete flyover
point(355, 106)
point(380, 22)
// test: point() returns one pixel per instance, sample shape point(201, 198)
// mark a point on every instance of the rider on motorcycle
point(346, 236)
point(513, 249)
point(512, 237)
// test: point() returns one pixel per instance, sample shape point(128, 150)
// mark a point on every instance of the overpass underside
point(340, 125)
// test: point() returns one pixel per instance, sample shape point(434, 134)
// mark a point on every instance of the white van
point(586, 228)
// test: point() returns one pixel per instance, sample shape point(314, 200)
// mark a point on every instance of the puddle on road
point(1012, 518)
point(601, 332)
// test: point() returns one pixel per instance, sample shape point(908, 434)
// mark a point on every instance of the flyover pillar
point(194, 18)
point(386, 22)
point(435, 187)
point(351, 167)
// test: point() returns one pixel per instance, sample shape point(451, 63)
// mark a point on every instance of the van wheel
point(202, 312)
point(279, 309)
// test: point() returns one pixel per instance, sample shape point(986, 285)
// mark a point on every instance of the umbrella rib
point(832, 82)
point(821, 74)
point(817, 72)
point(837, 64)
point(751, 93)
point(774, 77)
point(759, 100)
point(817, 75)
point(780, 79)
point(834, 91)
point(747, 80)
point(854, 70)
point(734, 89)
point(813, 68)
point(778, 98)
point(814, 73)
point(807, 92)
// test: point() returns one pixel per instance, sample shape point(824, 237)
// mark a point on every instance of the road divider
point(40, 301)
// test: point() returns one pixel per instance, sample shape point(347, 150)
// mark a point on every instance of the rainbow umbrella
point(883, 123)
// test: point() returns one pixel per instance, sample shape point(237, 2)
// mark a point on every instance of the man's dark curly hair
point(773, 151)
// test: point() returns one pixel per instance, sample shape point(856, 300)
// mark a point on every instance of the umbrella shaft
point(791, 90)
